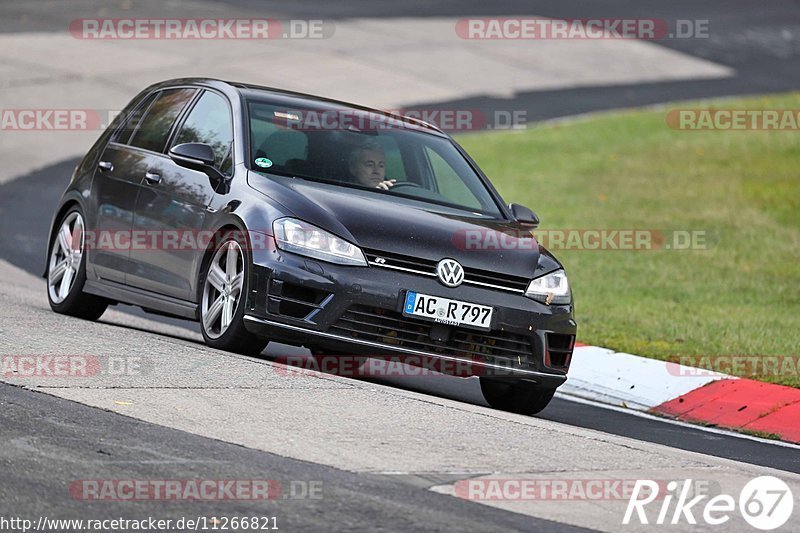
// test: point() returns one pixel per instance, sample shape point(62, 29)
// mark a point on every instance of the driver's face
point(369, 167)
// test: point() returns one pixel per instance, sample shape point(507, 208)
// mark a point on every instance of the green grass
point(630, 170)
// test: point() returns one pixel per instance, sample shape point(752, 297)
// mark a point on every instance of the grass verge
point(629, 170)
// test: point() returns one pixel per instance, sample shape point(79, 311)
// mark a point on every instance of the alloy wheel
point(222, 289)
point(65, 258)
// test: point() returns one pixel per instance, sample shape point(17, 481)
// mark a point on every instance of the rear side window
point(154, 128)
point(132, 120)
point(209, 122)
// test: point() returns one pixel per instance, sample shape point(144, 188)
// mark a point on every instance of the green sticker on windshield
point(263, 162)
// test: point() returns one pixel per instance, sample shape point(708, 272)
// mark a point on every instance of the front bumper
point(358, 310)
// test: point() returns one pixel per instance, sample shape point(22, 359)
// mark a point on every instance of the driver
point(367, 164)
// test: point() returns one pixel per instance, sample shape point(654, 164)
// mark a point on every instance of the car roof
point(283, 96)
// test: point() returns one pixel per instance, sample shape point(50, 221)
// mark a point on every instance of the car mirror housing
point(197, 156)
point(524, 216)
point(192, 155)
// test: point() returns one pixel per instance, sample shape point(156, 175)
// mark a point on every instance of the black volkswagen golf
point(271, 215)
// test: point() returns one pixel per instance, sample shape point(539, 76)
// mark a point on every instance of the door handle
point(107, 166)
point(152, 178)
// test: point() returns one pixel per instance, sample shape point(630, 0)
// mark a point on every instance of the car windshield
point(365, 151)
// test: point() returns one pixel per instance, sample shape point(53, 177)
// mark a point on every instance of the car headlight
point(302, 238)
point(552, 288)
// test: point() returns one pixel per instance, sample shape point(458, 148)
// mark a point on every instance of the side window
point(132, 121)
point(155, 126)
point(209, 122)
point(451, 186)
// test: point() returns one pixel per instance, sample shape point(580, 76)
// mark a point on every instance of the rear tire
point(224, 281)
point(519, 398)
point(66, 270)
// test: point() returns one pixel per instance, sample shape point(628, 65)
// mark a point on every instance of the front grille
point(401, 261)
point(394, 329)
point(427, 267)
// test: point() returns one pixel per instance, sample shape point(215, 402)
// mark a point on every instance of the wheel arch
point(229, 223)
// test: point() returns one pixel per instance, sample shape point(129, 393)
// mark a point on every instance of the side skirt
point(149, 301)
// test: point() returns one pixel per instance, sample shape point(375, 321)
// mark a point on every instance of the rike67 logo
point(766, 503)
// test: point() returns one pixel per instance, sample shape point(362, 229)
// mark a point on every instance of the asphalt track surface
point(49, 442)
point(760, 40)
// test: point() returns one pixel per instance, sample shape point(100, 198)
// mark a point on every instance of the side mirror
point(197, 156)
point(193, 155)
point(524, 216)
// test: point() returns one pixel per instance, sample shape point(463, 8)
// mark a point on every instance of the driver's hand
point(386, 185)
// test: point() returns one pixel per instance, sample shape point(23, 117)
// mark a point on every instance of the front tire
point(66, 270)
point(224, 285)
point(519, 398)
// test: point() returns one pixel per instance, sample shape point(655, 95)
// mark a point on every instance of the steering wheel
point(403, 184)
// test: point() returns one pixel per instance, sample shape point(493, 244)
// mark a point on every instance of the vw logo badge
point(450, 272)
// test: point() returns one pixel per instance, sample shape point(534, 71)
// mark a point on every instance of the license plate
point(447, 311)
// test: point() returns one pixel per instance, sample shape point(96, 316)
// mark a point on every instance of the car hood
point(381, 223)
